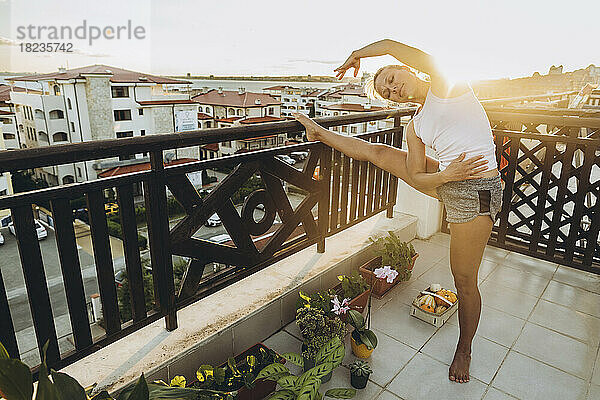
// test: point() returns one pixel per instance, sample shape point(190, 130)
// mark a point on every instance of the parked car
point(299, 155)
point(120, 275)
point(1, 239)
point(286, 159)
point(222, 238)
point(42, 233)
point(213, 220)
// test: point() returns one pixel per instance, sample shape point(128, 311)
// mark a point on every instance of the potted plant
point(238, 375)
point(363, 339)
point(355, 290)
point(359, 374)
point(306, 386)
point(317, 329)
point(392, 264)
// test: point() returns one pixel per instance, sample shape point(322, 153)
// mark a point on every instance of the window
point(352, 129)
point(56, 114)
point(39, 114)
point(60, 137)
point(231, 111)
point(344, 128)
point(122, 115)
point(56, 90)
point(140, 111)
point(119, 91)
point(208, 124)
point(143, 132)
point(124, 134)
point(79, 172)
point(72, 126)
point(280, 140)
point(335, 113)
point(69, 104)
point(239, 112)
point(8, 136)
point(68, 179)
point(271, 111)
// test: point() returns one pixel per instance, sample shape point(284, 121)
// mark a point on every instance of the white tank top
point(451, 126)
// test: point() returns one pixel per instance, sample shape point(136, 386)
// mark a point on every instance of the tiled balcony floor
point(538, 337)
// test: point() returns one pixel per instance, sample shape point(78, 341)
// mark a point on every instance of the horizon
point(243, 40)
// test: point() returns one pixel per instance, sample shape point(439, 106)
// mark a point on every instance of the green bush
point(173, 207)
point(250, 186)
point(114, 229)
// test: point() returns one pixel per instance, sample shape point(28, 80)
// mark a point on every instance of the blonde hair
point(372, 93)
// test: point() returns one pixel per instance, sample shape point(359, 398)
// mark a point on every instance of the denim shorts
point(465, 200)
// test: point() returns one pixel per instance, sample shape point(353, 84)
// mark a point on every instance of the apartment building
point(337, 109)
point(100, 102)
point(294, 99)
point(220, 108)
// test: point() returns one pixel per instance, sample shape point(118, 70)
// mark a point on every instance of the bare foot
point(459, 370)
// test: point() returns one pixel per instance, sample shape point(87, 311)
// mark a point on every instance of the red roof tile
point(230, 119)
point(128, 169)
point(231, 98)
point(164, 102)
point(204, 116)
point(6, 113)
point(119, 75)
point(211, 146)
point(278, 87)
point(258, 120)
point(5, 91)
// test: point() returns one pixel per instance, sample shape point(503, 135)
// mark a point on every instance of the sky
point(471, 39)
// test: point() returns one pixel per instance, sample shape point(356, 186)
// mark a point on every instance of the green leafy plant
point(353, 285)
point(233, 375)
point(360, 368)
point(317, 329)
point(307, 385)
point(16, 383)
point(395, 253)
point(361, 334)
point(320, 300)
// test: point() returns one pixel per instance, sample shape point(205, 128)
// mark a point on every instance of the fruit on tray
point(427, 303)
point(446, 294)
point(440, 309)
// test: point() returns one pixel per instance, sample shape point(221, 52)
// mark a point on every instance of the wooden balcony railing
point(346, 192)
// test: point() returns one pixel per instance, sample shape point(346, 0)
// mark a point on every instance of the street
point(12, 273)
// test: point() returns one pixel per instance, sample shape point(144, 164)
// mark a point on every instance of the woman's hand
point(312, 128)
point(352, 62)
point(460, 169)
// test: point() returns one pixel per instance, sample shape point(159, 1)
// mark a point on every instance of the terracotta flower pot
point(380, 286)
point(359, 303)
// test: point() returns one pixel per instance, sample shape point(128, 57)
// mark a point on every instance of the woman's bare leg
point(467, 243)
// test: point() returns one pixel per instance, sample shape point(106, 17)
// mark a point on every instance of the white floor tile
point(385, 366)
point(528, 379)
point(574, 297)
point(486, 355)
point(497, 326)
point(529, 264)
point(426, 378)
point(558, 350)
point(505, 299)
point(495, 254)
point(292, 329)
point(495, 394)
point(581, 279)
point(567, 321)
point(396, 321)
point(525, 282)
point(594, 393)
point(385, 395)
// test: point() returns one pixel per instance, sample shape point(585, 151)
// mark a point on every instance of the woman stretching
point(465, 179)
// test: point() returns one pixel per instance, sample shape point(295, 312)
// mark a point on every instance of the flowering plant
point(340, 308)
point(386, 273)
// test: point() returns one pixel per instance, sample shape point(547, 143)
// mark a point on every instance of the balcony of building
point(538, 337)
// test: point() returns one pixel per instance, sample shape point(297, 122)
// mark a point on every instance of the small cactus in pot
point(359, 374)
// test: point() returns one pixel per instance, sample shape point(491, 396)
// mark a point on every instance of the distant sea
point(250, 86)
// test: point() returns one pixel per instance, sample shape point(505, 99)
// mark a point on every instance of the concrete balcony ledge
point(231, 320)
